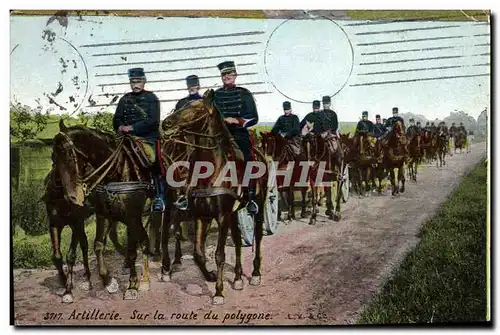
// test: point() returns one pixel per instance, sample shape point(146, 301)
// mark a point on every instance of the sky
point(278, 60)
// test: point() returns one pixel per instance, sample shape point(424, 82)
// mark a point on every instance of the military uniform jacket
point(365, 126)
point(379, 129)
point(412, 130)
point(327, 121)
point(288, 125)
point(141, 111)
point(184, 101)
point(311, 118)
point(461, 129)
point(237, 102)
point(453, 130)
point(392, 120)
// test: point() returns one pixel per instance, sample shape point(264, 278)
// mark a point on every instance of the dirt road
point(319, 274)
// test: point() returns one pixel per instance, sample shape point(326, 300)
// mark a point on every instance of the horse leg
point(259, 232)
point(165, 275)
point(303, 211)
point(102, 230)
point(314, 192)
point(200, 258)
point(220, 258)
point(329, 203)
point(57, 259)
point(338, 196)
point(133, 243)
point(238, 270)
point(401, 178)
point(291, 204)
point(70, 259)
point(393, 181)
point(178, 238)
point(84, 245)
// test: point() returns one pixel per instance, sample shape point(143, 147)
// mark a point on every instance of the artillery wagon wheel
point(346, 184)
point(271, 204)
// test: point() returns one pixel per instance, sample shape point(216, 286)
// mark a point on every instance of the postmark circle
point(319, 61)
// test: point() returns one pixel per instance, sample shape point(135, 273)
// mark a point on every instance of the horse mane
point(107, 137)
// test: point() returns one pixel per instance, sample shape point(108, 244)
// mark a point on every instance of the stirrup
point(181, 203)
point(158, 205)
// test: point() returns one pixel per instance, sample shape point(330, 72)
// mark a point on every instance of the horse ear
point(208, 98)
point(62, 126)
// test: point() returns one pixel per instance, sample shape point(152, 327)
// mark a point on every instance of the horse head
point(76, 148)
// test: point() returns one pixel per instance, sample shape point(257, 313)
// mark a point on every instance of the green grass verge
point(30, 252)
point(444, 278)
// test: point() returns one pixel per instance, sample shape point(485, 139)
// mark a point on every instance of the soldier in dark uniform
point(287, 125)
point(237, 105)
point(328, 120)
point(138, 113)
point(379, 127)
point(311, 117)
point(412, 129)
point(427, 126)
point(453, 129)
point(433, 128)
point(461, 129)
point(419, 127)
point(365, 125)
point(193, 86)
point(394, 118)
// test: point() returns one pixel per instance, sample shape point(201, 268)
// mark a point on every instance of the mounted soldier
point(412, 129)
point(309, 122)
point(453, 129)
point(364, 128)
point(379, 128)
point(433, 128)
point(394, 118)
point(461, 129)
point(427, 126)
point(419, 127)
point(138, 114)
point(237, 106)
point(287, 125)
point(328, 121)
point(193, 87)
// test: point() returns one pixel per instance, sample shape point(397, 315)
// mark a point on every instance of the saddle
point(143, 151)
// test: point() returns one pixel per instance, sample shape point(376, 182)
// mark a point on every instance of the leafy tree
point(26, 123)
point(461, 116)
point(103, 121)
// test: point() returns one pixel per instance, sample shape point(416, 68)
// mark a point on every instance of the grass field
point(444, 278)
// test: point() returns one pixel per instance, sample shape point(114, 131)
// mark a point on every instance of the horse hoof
point(112, 286)
point(255, 281)
point(303, 215)
point(238, 285)
point(164, 277)
point(312, 222)
point(211, 276)
point(328, 212)
point(218, 300)
point(145, 286)
point(86, 286)
point(61, 291)
point(176, 267)
point(67, 298)
point(130, 295)
point(336, 217)
point(402, 190)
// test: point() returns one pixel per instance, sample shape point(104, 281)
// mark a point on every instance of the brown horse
point(212, 197)
point(460, 139)
point(395, 153)
point(365, 160)
point(118, 193)
point(326, 153)
point(62, 213)
point(415, 153)
point(442, 148)
point(286, 152)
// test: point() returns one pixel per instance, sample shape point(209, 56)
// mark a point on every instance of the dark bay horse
point(327, 156)
point(115, 184)
point(287, 152)
point(211, 195)
point(62, 213)
point(364, 159)
point(394, 148)
point(414, 152)
point(460, 139)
